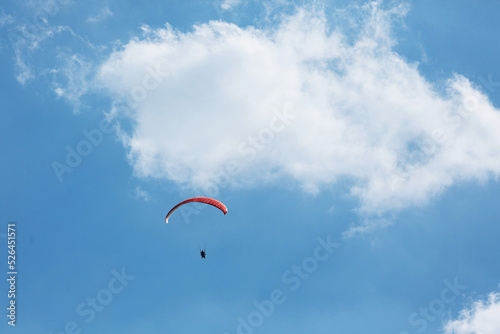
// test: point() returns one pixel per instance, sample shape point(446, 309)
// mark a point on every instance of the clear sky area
point(355, 144)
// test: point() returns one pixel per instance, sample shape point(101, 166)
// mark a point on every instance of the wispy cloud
point(369, 225)
point(30, 33)
point(103, 14)
point(72, 79)
point(24, 41)
point(229, 4)
point(26, 44)
point(70, 73)
point(6, 19)
point(200, 100)
point(142, 194)
point(482, 317)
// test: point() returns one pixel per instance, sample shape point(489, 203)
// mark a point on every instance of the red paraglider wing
point(206, 200)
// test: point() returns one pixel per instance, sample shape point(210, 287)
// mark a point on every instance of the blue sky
point(355, 145)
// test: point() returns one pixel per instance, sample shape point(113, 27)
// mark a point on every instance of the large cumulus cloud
point(302, 103)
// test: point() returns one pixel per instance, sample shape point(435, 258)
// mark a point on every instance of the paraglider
point(206, 200)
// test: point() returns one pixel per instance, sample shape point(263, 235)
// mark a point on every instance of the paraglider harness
point(203, 253)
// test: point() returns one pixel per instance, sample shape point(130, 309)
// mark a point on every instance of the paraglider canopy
point(206, 200)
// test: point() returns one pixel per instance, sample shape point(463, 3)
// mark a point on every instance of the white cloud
point(142, 194)
point(71, 81)
point(482, 318)
point(228, 4)
point(369, 226)
point(71, 73)
point(197, 100)
point(103, 14)
point(27, 38)
point(6, 19)
point(31, 33)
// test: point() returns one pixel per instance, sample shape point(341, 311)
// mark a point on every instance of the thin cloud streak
point(103, 14)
